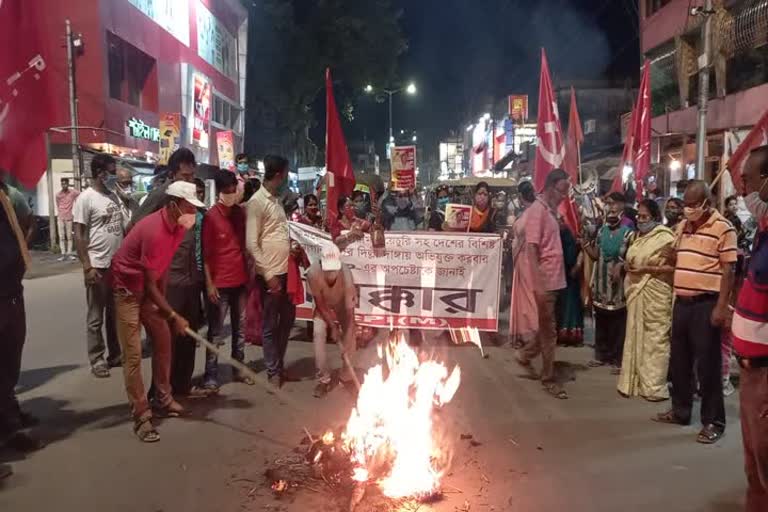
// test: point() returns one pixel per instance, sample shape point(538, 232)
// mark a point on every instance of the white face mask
point(228, 199)
point(756, 206)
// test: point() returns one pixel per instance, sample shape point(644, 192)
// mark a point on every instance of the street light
point(409, 89)
point(414, 138)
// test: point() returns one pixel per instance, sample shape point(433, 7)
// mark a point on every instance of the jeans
point(132, 312)
point(753, 387)
point(232, 301)
point(66, 236)
point(101, 307)
point(279, 312)
point(545, 341)
point(13, 331)
point(696, 342)
point(320, 338)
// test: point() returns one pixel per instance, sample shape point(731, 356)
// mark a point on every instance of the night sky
point(464, 55)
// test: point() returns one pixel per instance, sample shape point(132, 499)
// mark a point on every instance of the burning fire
point(389, 434)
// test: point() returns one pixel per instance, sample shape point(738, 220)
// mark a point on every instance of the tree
point(291, 42)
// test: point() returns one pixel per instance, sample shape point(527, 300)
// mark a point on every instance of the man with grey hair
point(704, 259)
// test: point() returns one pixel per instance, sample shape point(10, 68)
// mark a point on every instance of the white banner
point(424, 280)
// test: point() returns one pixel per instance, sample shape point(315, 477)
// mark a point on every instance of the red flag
point(568, 209)
point(574, 139)
point(637, 149)
point(756, 138)
point(339, 175)
point(549, 146)
point(24, 91)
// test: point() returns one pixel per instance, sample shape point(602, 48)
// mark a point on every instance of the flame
point(389, 434)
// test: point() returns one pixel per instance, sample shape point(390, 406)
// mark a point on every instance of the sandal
point(100, 371)
point(145, 431)
point(556, 391)
point(172, 410)
point(245, 379)
point(710, 434)
point(669, 418)
point(595, 363)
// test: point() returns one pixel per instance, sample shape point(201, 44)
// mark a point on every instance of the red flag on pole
point(637, 149)
point(339, 175)
point(568, 209)
point(756, 138)
point(550, 150)
point(24, 91)
point(574, 139)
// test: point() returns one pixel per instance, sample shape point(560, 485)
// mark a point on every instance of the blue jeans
point(279, 314)
point(232, 301)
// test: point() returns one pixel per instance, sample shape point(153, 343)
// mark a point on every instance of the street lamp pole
point(391, 129)
point(410, 89)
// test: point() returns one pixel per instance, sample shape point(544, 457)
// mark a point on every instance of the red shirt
point(150, 245)
point(223, 245)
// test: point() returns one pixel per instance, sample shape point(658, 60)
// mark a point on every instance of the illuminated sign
point(141, 130)
point(202, 110)
point(172, 15)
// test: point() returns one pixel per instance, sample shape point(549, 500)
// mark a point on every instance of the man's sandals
point(145, 431)
point(556, 391)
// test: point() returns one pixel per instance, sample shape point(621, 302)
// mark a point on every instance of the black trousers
point(186, 301)
point(610, 329)
point(13, 331)
point(695, 341)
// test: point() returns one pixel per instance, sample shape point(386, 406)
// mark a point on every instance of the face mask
point(403, 203)
point(110, 182)
point(283, 188)
point(186, 220)
point(481, 202)
point(693, 214)
point(242, 167)
point(612, 220)
point(756, 206)
point(128, 189)
point(361, 210)
point(442, 203)
point(672, 216)
point(228, 200)
point(646, 227)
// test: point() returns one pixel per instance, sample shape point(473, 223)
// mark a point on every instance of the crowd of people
point(648, 274)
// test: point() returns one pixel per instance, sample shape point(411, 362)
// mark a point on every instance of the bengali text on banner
point(421, 281)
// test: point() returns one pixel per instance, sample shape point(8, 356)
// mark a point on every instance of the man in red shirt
point(225, 276)
point(750, 336)
point(139, 272)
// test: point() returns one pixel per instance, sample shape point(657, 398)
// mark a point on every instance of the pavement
point(596, 452)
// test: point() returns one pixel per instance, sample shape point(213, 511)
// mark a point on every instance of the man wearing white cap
point(335, 298)
point(139, 269)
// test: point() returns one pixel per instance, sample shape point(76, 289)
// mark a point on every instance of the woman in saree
point(570, 310)
point(649, 291)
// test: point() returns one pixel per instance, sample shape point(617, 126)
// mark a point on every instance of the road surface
point(595, 452)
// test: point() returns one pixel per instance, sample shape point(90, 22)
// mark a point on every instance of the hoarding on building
point(214, 42)
point(170, 135)
point(518, 108)
point(171, 15)
point(202, 110)
point(225, 144)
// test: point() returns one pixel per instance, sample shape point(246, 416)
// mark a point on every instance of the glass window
point(132, 74)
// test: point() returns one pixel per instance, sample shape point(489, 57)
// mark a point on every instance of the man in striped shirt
point(706, 252)
point(750, 336)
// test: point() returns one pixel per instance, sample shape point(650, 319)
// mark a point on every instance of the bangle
point(171, 316)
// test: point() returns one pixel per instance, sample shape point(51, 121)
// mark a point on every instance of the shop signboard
point(170, 135)
point(202, 110)
point(140, 130)
point(171, 15)
point(225, 144)
point(518, 108)
point(404, 168)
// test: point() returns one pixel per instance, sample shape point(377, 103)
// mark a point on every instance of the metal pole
point(51, 204)
point(704, 68)
point(76, 161)
point(391, 130)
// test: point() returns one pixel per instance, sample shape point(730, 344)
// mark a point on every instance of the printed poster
point(170, 135)
point(225, 144)
point(404, 168)
point(202, 110)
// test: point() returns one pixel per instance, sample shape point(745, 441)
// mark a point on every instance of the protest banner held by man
point(139, 269)
point(542, 257)
point(225, 276)
point(65, 201)
point(99, 221)
point(750, 336)
point(269, 244)
point(333, 290)
point(705, 256)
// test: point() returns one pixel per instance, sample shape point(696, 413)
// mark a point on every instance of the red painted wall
point(93, 18)
point(664, 24)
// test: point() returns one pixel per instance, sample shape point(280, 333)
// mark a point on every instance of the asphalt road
point(596, 452)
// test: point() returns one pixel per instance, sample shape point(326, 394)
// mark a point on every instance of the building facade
point(150, 75)
point(671, 40)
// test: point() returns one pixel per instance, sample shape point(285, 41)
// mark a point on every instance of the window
point(665, 92)
point(653, 6)
point(226, 114)
point(132, 74)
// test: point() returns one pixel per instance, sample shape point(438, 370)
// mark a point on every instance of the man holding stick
point(335, 299)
